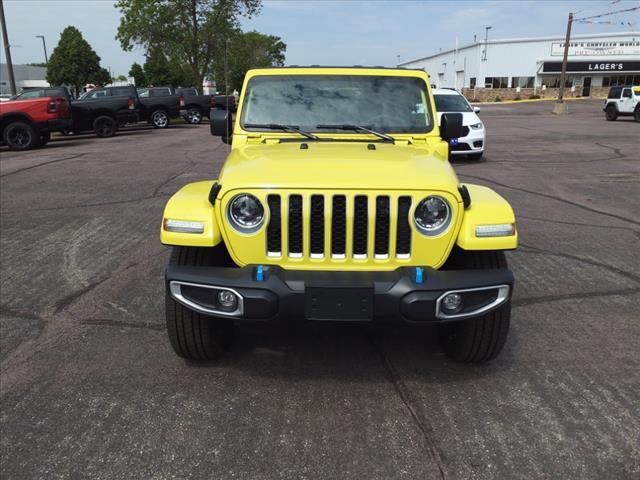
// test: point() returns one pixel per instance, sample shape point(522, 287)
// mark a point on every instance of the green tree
point(192, 32)
point(138, 74)
point(246, 51)
point(156, 69)
point(73, 62)
point(121, 78)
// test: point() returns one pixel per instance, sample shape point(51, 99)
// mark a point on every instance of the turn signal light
point(498, 230)
point(182, 226)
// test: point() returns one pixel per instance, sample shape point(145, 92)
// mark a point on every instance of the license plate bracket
point(339, 303)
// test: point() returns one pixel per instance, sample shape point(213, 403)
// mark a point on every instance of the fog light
point(227, 300)
point(451, 303)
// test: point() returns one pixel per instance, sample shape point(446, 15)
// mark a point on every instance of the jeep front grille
point(372, 221)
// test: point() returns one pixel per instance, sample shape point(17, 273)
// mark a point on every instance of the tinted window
point(160, 92)
point(186, 91)
point(30, 94)
point(94, 94)
point(626, 93)
point(614, 93)
point(143, 92)
point(121, 91)
point(451, 103)
point(383, 103)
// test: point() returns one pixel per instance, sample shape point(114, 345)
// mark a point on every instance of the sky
point(325, 32)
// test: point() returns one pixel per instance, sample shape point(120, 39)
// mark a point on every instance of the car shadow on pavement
point(346, 353)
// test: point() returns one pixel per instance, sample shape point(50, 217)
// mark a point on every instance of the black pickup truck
point(198, 106)
point(158, 105)
point(104, 110)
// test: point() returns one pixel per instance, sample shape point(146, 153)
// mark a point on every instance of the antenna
point(226, 81)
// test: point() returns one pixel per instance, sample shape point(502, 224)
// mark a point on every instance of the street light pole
point(486, 41)
point(44, 45)
point(7, 50)
point(560, 106)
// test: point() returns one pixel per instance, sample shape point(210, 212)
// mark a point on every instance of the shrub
point(518, 97)
point(498, 98)
point(533, 96)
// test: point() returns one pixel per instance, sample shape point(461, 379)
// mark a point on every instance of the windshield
point(383, 103)
point(451, 103)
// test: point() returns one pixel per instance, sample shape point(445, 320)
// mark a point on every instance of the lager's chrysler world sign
point(591, 67)
point(596, 49)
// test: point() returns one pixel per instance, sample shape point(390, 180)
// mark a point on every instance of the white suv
point(623, 101)
point(473, 141)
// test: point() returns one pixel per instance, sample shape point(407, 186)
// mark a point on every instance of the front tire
point(192, 335)
point(105, 126)
point(20, 136)
point(160, 119)
point(636, 114)
point(481, 339)
point(611, 113)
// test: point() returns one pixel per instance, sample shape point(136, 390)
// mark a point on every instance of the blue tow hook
point(260, 273)
point(419, 275)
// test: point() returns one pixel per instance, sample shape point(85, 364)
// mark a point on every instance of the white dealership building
point(597, 60)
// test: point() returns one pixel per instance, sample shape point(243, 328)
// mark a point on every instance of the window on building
point(472, 82)
point(553, 81)
point(620, 80)
point(496, 82)
point(522, 82)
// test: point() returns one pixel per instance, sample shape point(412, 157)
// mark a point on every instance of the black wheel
point(636, 113)
point(105, 126)
point(475, 156)
point(194, 116)
point(192, 335)
point(159, 119)
point(478, 340)
point(20, 136)
point(611, 113)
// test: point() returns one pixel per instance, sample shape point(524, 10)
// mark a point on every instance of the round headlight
point(432, 216)
point(246, 213)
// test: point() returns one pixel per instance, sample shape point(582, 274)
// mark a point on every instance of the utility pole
point(486, 41)
point(560, 107)
point(7, 50)
point(44, 45)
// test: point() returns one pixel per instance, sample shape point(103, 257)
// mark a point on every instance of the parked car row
point(28, 119)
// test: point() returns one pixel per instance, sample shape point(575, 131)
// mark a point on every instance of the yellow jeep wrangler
point(337, 203)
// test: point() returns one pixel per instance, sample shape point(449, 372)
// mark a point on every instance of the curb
point(529, 100)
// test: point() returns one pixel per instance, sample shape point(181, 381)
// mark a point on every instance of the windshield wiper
point(359, 128)
point(285, 128)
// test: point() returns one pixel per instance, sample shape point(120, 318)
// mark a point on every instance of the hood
point(468, 118)
point(338, 165)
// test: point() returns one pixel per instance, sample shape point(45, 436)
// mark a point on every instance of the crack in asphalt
point(86, 205)
point(404, 393)
point(109, 322)
point(522, 302)
point(553, 197)
point(41, 165)
point(548, 220)
point(611, 268)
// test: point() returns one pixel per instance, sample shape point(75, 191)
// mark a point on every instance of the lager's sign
point(597, 48)
point(591, 67)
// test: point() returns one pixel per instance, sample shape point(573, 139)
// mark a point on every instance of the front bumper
point(270, 292)
point(474, 142)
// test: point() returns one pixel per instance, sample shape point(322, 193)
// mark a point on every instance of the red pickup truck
point(28, 123)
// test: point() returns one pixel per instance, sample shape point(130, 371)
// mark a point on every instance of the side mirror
point(476, 109)
point(221, 124)
point(451, 126)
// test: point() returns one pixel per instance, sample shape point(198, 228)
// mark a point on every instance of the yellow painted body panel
point(416, 166)
point(487, 208)
point(191, 203)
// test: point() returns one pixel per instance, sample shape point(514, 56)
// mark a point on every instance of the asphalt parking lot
point(91, 389)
